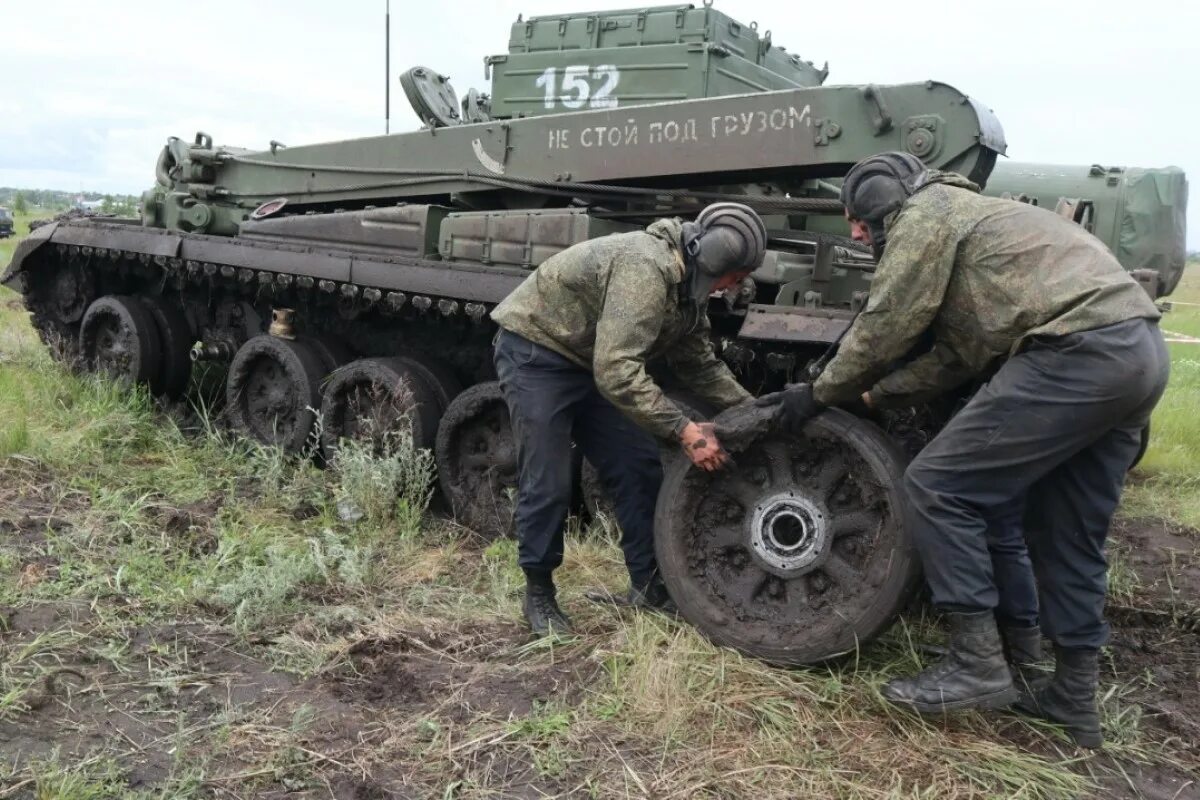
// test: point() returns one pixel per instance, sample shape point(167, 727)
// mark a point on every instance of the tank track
point(226, 303)
point(229, 288)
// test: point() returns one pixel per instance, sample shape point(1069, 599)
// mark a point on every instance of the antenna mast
point(387, 68)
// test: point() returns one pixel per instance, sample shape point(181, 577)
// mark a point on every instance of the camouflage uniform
point(1081, 364)
point(985, 276)
point(571, 358)
point(611, 305)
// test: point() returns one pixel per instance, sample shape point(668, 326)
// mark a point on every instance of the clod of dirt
point(741, 426)
point(50, 686)
point(191, 524)
point(305, 510)
point(34, 573)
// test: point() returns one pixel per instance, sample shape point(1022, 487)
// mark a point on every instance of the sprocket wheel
point(477, 460)
point(273, 390)
point(801, 551)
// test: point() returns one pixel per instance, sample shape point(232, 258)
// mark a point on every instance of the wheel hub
point(111, 352)
point(789, 534)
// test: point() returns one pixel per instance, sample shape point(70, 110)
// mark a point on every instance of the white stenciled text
point(631, 132)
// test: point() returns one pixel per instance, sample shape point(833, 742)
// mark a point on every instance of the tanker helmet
point(725, 238)
point(877, 186)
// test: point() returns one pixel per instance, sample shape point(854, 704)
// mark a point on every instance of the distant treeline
point(23, 200)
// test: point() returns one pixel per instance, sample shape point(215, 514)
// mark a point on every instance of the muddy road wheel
point(69, 291)
point(800, 552)
point(371, 399)
point(477, 460)
point(274, 389)
point(438, 377)
point(175, 340)
point(58, 300)
point(118, 337)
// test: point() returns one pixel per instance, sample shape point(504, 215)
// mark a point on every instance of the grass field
point(184, 615)
point(1170, 473)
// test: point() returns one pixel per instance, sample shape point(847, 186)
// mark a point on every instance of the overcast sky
point(91, 90)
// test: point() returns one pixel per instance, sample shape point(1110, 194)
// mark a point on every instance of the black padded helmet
point(725, 238)
point(879, 185)
point(746, 223)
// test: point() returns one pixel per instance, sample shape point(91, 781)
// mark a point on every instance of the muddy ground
point(418, 712)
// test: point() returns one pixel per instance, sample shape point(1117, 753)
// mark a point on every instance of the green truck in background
point(355, 278)
point(6, 223)
point(1139, 213)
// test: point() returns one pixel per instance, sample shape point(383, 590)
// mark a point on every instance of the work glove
point(795, 403)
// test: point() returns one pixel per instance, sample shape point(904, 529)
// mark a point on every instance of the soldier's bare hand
point(700, 443)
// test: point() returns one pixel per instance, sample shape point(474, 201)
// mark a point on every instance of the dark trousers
point(1017, 600)
point(553, 402)
point(1059, 425)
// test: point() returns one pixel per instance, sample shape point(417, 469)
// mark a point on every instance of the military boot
point(1070, 698)
point(541, 606)
point(1023, 651)
point(972, 674)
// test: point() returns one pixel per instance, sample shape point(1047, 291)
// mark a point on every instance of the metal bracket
point(1081, 212)
point(826, 129)
point(881, 117)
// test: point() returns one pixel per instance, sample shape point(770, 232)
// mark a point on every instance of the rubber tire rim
point(138, 333)
point(887, 562)
point(404, 388)
point(175, 342)
point(299, 368)
point(481, 503)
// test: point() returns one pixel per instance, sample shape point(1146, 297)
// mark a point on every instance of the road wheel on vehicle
point(438, 377)
point(118, 337)
point(273, 390)
point(476, 457)
point(800, 552)
point(175, 339)
point(372, 399)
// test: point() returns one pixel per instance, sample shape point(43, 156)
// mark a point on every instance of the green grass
point(20, 230)
point(148, 527)
point(1167, 482)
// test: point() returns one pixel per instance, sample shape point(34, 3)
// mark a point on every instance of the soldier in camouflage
point(1078, 362)
point(572, 355)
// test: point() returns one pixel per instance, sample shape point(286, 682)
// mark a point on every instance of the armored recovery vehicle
point(356, 277)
